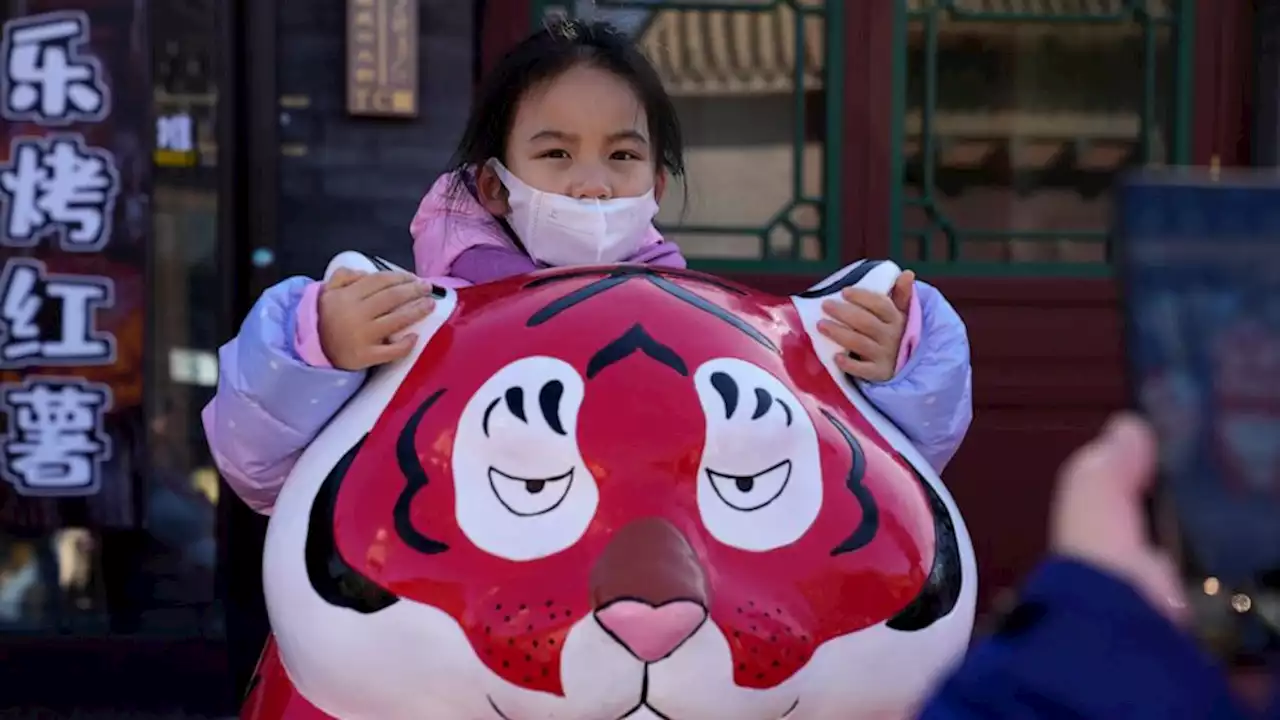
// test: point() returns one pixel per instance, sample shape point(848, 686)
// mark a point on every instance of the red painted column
point(1223, 77)
point(503, 23)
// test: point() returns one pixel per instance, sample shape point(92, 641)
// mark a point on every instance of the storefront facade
point(216, 151)
point(205, 151)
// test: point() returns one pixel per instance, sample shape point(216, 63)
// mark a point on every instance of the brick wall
point(360, 179)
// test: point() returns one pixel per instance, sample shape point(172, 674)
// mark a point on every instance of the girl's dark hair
point(545, 55)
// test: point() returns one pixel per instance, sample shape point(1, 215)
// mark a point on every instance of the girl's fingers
point(394, 291)
point(403, 317)
point(851, 340)
point(855, 317)
point(861, 369)
point(395, 350)
point(878, 305)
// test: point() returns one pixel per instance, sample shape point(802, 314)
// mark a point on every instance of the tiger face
point(617, 492)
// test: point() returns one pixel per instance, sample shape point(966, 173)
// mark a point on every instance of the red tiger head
point(617, 492)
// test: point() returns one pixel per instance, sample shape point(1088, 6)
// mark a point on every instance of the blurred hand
point(1098, 515)
point(361, 312)
point(869, 327)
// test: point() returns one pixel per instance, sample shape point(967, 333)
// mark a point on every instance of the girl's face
point(584, 134)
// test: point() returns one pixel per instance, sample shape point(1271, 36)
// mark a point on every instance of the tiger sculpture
point(613, 492)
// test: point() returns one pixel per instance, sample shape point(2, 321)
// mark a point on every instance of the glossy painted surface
point(272, 695)
point(612, 493)
point(641, 431)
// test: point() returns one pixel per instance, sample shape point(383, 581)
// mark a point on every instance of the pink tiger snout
point(651, 633)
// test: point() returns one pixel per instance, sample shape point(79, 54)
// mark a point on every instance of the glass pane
point(747, 79)
point(52, 581)
point(1018, 118)
point(181, 485)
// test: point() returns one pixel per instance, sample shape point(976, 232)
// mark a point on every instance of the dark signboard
point(382, 58)
point(74, 226)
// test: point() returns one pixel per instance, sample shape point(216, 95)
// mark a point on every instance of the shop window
point(1017, 118)
point(108, 496)
point(761, 125)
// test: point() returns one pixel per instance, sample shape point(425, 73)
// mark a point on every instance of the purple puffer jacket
point(270, 404)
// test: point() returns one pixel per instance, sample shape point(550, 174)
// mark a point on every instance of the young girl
point(569, 148)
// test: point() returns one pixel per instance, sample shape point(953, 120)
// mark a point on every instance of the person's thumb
point(902, 290)
point(1120, 462)
point(343, 277)
point(1099, 501)
point(1099, 515)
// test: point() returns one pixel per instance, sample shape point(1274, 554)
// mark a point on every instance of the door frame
point(1224, 83)
point(1221, 66)
point(248, 161)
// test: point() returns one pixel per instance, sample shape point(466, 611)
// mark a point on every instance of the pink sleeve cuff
point(911, 335)
point(306, 334)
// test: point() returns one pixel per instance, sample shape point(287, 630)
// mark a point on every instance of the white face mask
point(560, 230)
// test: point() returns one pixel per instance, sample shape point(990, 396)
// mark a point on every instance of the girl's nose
point(592, 186)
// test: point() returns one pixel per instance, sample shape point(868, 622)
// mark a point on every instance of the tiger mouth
point(640, 706)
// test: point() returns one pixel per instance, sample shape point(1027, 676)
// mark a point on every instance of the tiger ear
point(446, 301)
point(360, 262)
point(876, 276)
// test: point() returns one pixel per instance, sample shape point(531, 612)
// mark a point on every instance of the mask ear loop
point(474, 188)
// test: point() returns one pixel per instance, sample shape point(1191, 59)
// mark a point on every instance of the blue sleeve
point(270, 404)
point(931, 399)
point(1084, 645)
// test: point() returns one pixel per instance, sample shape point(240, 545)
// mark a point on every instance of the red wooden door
point(1046, 347)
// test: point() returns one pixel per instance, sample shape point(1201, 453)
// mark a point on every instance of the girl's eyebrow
point(633, 135)
point(558, 135)
point(562, 136)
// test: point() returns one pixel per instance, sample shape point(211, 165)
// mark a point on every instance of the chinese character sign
point(176, 141)
point(382, 58)
point(59, 188)
point(50, 78)
point(56, 443)
point(75, 136)
point(25, 290)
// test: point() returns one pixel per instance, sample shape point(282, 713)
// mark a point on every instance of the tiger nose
point(649, 589)
point(651, 633)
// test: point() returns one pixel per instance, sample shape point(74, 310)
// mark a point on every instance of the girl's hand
point(360, 312)
point(869, 327)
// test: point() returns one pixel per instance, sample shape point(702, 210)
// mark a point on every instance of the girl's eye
point(555, 154)
point(625, 155)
